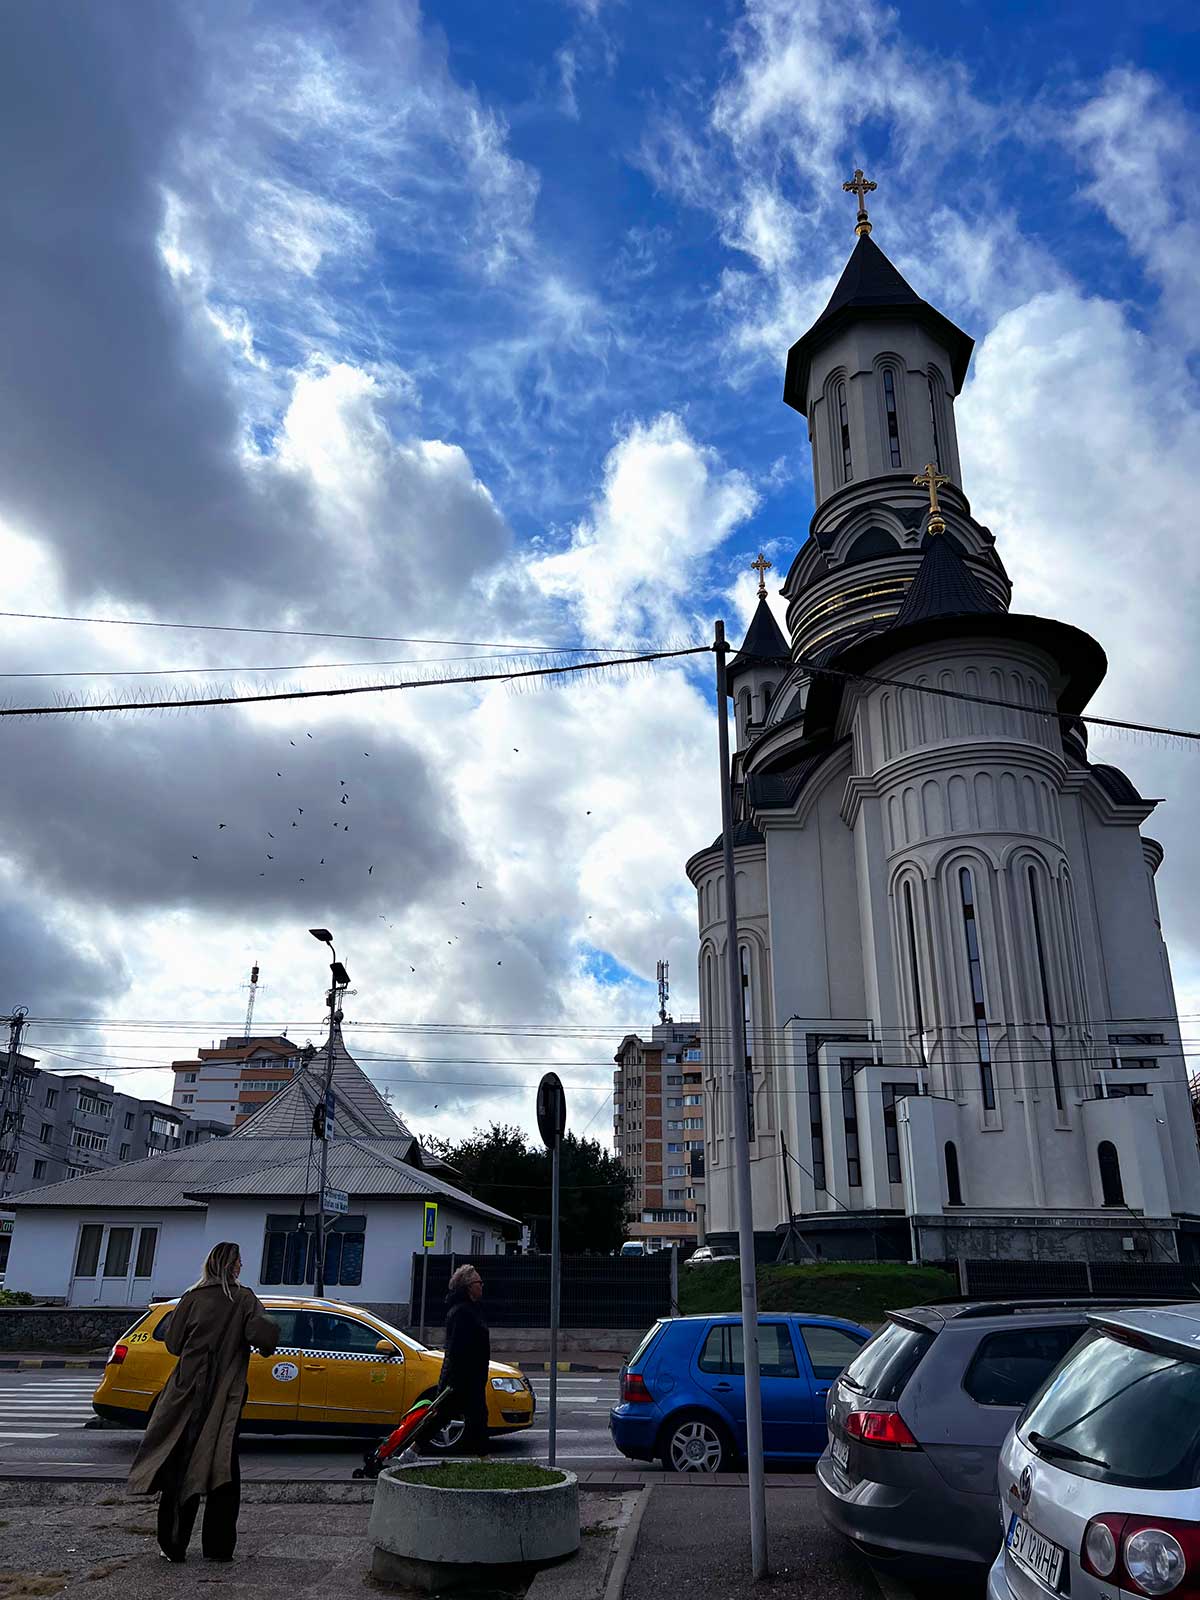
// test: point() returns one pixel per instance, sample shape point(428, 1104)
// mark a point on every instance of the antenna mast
point(664, 990)
point(253, 998)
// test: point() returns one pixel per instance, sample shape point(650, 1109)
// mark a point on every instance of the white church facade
point(960, 1019)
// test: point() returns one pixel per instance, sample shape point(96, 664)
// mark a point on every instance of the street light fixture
point(341, 981)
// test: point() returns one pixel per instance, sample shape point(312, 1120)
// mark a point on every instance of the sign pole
point(555, 1290)
point(428, 1240)
point(424, 1270)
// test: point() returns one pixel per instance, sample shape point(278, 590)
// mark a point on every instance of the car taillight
point(633, 1388)
point(119, 1352)
point(887, 1429)
point(1146, 1555)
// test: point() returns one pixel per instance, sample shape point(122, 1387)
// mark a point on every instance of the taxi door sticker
point(285, 1371)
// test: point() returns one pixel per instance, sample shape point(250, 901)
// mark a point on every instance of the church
point(960, 1023)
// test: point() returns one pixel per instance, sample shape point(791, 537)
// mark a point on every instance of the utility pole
point(324, 1112)
point(741, 1138)
point(9, 1098)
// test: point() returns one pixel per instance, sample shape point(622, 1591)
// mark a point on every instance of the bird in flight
point(292, 742)
point(321, 862)
point(344, 799)
point(370, 870)
point(195, 858)
point(270, 835)
point(300, 809)
point(295, 824)
point(308, 735)
point(270, 857)
point(279, 774)
point(220, 825)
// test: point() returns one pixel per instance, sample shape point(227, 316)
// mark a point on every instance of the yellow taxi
point(338, 1370)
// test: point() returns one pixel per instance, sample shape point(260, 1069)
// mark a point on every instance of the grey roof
point(767, 790)
point(764, 639)
point(1119, 788)
point(744, 833)
point(944, 587)
point(360, 1108)
point(870, 286)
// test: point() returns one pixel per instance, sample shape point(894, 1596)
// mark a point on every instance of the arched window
point(914, 968)
point(1045, 982)
point(844, 433)
point(768, 695)
point(743, 709)
point(933, 421)
point(869, 545)
point(978, 1004)
point(1110, 1173)
point(953, 1181)
point(893, 418)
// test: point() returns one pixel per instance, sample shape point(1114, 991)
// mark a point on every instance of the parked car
point(1100, 1479)
point(634, 1247)
point(683, 1392)
point(338, 1370)
point(704, 1255)
point(916, 1423)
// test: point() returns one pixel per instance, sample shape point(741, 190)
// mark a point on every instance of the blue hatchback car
point(683, 1391)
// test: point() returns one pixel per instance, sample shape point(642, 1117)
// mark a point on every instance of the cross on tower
point(862, 187)
point(932, 479)
point(762, 566)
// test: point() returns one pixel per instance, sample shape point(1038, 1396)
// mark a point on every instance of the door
point(827, 1352)
point(273, 1382)
point(344, 1380)
point(109, 1263)
point(787, 1397)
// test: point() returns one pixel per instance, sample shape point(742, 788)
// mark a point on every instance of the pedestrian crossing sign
point(430, 1238)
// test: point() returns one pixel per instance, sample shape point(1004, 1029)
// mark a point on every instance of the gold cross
point(930, 479)
point(762, 566)
point(862, 187)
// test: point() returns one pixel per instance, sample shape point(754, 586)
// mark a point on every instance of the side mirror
point(385, 1347)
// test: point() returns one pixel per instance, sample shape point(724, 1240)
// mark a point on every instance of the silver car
point(1100, 1479)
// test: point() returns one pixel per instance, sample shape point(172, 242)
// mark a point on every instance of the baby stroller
point(414, 1425)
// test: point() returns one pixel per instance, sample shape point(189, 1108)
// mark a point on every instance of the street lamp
point(341, 981)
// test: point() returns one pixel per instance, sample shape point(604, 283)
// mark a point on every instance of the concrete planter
point(433, 1539)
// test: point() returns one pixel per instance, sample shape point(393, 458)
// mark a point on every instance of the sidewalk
point(697, 1542)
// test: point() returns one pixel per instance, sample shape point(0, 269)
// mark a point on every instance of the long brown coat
point(202, 1399)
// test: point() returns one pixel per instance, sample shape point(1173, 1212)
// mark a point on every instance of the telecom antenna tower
point(250, 1004)
point(664, 990)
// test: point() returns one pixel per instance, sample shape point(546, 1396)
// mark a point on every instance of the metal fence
point(597, 1291)
point(1118, 1280)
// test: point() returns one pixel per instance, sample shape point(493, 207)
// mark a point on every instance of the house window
point(81, 1139)
point(693, 1099)
point(978, 1004)
point(39, 1170)
point(147, 1241)
point(850, 1118)
point(51, 1099)
point(844, 433)
point(1045, 982)
point(953, 1181)
point(91, 1105)
point(189, 1099)
point(674, 1080)
point(129, 1119)
point(1120, 1091)
point(914, 970)
point(674, 1102)
point(87, 1255)
point(77, 1172)
point(933, 423)
point(675, 1194)
point(116, 1256)
point(476, 1243)
point(692, 1055)
point(675, 1148)
point(448, 1239)
point(893, 420)
point(676, 1172)
point(289, 1254)
point(124, 1152)
point(189, 1077)
point(47, 1132)
point(891, 1134)
point(692, 1123)
point(1111, 1188)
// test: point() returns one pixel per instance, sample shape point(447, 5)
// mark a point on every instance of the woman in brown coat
point(190, 1447)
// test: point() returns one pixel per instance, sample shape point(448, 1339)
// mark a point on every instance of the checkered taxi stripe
point(331, 1355)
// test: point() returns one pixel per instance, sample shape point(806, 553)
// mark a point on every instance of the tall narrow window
point(975, 968)
point(892, 1092)
point(893, 420)
point(1041, 960)
point(850, 1118)
point(914, 967)
point(748, 1027)
point(844, 433)
point(816, 1134)
point(1111, 1187)
point(933, 423)
point(953, 1181)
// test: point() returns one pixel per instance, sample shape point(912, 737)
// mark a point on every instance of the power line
point(513, 675)
point(302, 666)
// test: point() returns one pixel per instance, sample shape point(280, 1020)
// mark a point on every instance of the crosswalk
point(37, 1407)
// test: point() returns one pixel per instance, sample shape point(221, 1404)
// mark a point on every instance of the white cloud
point(633, 567)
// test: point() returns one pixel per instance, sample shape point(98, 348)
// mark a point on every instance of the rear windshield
point(644, 1346)
point(1133, 1414)
point(883, 1367)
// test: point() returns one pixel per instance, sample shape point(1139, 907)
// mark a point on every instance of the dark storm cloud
point(110, 814)
point(44, 970)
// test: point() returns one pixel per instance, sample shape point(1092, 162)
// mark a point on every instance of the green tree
point(499, 1165)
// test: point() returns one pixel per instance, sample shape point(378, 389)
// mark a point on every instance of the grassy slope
point(863, 1292)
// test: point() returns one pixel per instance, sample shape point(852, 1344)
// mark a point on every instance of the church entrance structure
point(960, 1020)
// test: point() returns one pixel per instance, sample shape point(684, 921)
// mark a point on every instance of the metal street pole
point(555, 1291)
point(323, 1167)
point(741, 1139)
point(424, 1270)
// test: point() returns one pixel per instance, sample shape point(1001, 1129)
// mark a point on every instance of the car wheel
point(695, 1444)
point(446, 1439)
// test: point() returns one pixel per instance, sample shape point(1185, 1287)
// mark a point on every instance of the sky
point(466, 324)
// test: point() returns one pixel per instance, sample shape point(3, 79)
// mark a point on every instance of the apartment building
point(658, 1131)
point(231, 1081)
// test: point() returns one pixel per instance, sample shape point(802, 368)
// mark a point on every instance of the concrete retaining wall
point(66, 1328)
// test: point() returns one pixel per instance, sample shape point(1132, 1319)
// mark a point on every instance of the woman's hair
point(221, 1267)
point(461, 1277)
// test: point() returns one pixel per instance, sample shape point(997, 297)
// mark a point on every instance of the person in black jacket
point(468, 1354)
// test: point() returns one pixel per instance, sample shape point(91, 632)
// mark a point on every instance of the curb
point(34, 1363)
point(623, 1560)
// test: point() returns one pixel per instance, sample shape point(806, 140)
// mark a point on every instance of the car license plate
point(839, 1449)
point(1035, 1552)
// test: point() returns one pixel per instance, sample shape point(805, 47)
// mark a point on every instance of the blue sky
point(465, 321)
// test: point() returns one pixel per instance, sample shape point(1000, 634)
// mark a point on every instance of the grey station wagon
point(916, 1423)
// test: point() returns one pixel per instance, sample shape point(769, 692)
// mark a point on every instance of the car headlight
point(509, 1385)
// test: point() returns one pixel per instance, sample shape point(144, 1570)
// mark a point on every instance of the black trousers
point(177, 1517)
point(471, 1405)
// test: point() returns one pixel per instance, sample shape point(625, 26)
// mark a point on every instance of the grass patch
point(860, 1291)
point(481, 1475)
